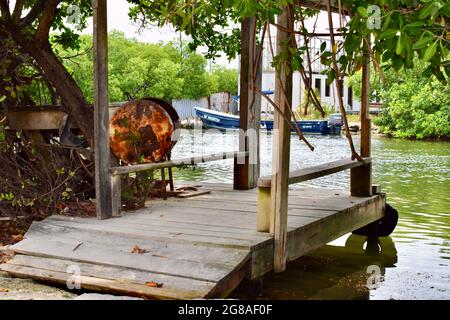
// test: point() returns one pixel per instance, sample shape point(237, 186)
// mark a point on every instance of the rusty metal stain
point(141, 132)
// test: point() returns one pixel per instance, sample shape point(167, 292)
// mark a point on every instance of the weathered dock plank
point(150, 247)
point(124, 279)
point(148, 225)
point(197, 247)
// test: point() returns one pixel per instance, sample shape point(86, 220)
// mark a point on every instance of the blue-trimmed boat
point(222, 121)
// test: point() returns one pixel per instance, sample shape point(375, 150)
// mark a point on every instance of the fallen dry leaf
point(138, 250)
point(60, 206)
point(17, 237)
point(154, 285)
point(3, 290)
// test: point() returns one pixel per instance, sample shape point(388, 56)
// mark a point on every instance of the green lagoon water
point(414, 263)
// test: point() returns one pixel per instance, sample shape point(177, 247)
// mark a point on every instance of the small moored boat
point(219, 120)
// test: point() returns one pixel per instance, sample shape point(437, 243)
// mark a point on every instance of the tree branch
point(37, 9)
point(293, 124)
point(311, 93)
point(18, 8)
point(334, 49)
point(50, 11)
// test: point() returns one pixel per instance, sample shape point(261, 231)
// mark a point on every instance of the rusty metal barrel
point(143, 131)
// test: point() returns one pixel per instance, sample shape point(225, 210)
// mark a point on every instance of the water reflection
point(332, 272)
point(416, 177)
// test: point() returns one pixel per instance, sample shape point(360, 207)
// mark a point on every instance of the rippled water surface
point(414, 261)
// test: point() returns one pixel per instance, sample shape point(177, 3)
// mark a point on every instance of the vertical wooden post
point(103, 185)
point(257, 121)
point(246, 174)
point(263, 212)
point(116, 189)
point(281, 145)
point(361, 177)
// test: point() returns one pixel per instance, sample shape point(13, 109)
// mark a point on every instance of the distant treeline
point(138, 70)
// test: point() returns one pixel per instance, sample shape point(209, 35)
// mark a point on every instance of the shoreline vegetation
point(415, 104)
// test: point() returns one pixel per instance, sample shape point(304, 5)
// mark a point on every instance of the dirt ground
point(25, 289)
point(12, 288)
point(19, 289)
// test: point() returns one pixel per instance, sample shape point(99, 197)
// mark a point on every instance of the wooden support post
point(281, 145)
point(361, 177)
point(172, 188)
point(246, 174)
point(164, 183)
point(116, 187)
point(257, 121)
point(263, 211)
point(103, 185)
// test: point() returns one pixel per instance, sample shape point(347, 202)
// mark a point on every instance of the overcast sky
point(118, 19)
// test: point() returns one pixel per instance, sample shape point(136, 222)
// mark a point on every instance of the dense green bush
point(414, 103)
point(416, 109)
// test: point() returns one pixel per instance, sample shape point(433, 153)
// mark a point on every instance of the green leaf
point(400, 45)
point(362, 12)
point(331, 76)
point(386, 22)
point(430, 51)
point(296, 62)
point(414, 24)
point(421, 43)
point(388, 34)
point(426, 11)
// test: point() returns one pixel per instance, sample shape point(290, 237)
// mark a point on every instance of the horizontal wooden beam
point(326, 169)
point(322, 5)
point(178, 163)
point(48, 118)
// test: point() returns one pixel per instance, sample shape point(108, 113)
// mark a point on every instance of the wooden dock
point(204, 246)
point(199, 247)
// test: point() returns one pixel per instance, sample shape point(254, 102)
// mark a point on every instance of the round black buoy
point(383, 227)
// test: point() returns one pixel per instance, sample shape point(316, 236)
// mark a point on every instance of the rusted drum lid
point(141, 131)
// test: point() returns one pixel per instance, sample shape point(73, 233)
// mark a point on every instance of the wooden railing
point(117, 172)
point(265, 218)
point(177, 163)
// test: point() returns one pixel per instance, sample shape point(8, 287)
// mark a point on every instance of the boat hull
point(217, 120)
point(307, 126)
point(222, 121)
